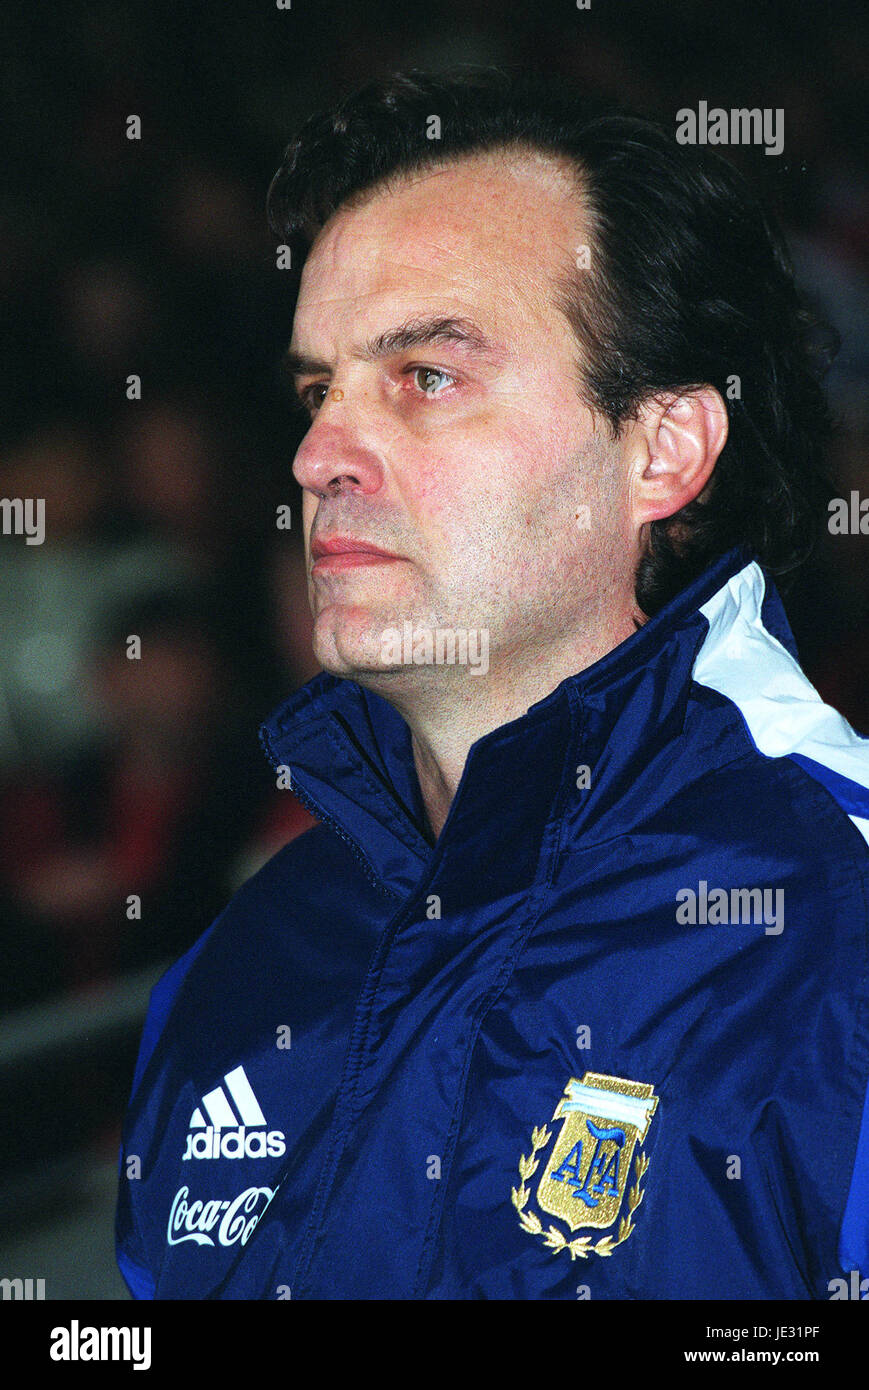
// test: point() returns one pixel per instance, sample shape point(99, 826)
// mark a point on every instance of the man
point(568, 990)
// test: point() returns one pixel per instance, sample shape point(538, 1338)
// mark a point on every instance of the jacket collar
point(350, 759)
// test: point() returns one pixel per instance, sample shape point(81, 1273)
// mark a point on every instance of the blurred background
point(152, 257)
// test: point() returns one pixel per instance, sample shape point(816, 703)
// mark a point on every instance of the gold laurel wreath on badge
point(583, 1246)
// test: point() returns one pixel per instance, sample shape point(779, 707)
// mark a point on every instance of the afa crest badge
point(593, 1176)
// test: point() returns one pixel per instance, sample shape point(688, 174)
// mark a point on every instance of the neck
point(448, 709)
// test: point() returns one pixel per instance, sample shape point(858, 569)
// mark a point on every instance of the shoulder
point(294, 905)
point(787, 750)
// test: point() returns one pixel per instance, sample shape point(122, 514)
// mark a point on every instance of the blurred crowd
point(139, 775)
point(140, 645)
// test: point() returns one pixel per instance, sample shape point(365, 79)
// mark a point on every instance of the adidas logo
point(244, 1134)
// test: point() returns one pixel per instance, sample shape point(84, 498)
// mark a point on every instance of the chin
point(350, 649)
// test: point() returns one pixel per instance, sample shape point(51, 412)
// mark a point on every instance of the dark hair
point(689, 284)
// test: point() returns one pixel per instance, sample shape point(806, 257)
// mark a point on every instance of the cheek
point(508, 465)
point(543, 426)
point(536, 464)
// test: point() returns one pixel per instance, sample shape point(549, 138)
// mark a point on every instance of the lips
point(325, 547)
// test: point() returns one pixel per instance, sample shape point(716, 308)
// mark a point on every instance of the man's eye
point(309, 398)
point(427, 379)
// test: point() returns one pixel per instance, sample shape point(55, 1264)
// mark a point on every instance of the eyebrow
point(416, 332)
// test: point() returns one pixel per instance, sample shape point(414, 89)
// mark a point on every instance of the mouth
point(346, 552)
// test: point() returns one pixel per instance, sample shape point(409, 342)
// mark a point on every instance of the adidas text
point(235, 1143)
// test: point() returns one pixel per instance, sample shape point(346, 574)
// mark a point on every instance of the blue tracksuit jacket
point(610, 1034)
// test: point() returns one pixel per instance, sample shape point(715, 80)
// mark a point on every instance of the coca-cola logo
point(235, 1219)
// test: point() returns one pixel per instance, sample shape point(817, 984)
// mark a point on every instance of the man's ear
point(673, 447)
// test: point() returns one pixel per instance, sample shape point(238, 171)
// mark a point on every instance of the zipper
point(311, 805)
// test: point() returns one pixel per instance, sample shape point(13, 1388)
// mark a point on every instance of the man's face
point(447, 428)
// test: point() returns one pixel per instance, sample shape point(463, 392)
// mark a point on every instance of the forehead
point(490, 233)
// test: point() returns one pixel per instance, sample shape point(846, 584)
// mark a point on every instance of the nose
point(334, 455)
